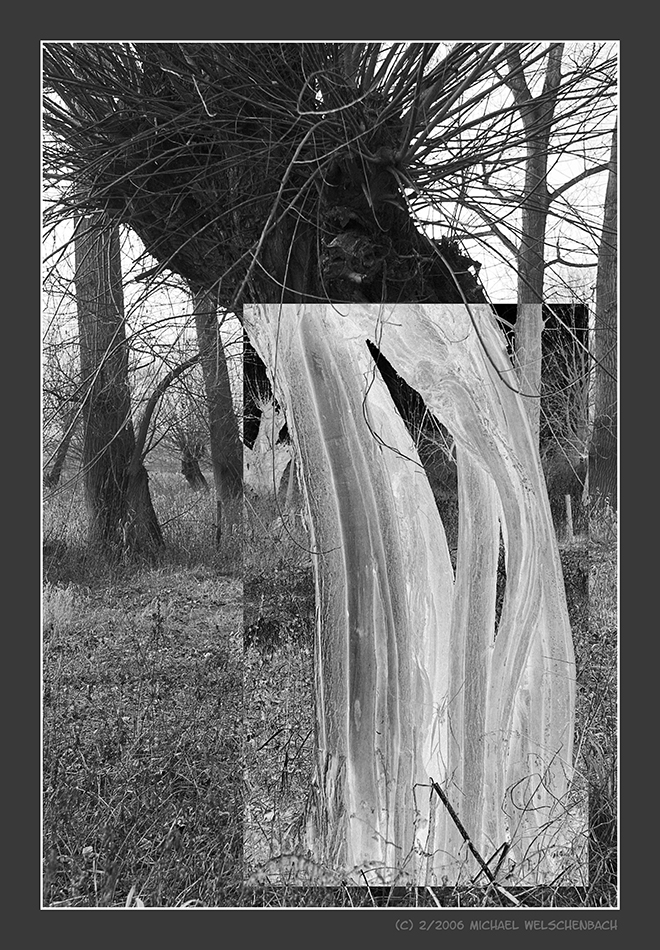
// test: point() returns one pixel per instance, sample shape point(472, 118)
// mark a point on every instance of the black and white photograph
point(330, 476)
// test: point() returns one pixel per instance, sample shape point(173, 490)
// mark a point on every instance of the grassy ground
point(177, 762)
point(279, 631)
point(279, 627)
point(142, 715)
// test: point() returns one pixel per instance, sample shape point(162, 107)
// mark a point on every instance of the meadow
point(177, 716)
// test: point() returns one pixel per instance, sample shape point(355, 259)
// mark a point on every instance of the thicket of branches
point(206, 149)
point(324, 170)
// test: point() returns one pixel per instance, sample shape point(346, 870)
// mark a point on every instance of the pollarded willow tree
point(282, 177)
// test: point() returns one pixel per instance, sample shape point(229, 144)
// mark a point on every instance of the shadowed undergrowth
point(142, 741)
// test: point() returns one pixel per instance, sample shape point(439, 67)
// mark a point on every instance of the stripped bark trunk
point(225, 442)
point(412, 680)
point(120, 512)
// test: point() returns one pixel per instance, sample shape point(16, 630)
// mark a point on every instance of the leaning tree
point(283, 178)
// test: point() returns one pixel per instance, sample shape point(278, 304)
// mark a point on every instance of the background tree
point(70, 419)
point(537, 116)
point(564, 435)
point(603, 450)
point(186, 432)
point(62, 409)
point(61, 391)
point(224, 438)
point(191, 447)
point(536, 195)
point(121, 515)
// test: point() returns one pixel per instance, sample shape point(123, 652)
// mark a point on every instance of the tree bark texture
point(120, 512)
point(537, 117)
point(413, 682)
point(603, 449)
point(225, 441)
point(191, 471)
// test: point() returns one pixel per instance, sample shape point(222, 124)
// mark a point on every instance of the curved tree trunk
point(120, 512)
point(226, 447)
point(413, 682)
point(52, 479)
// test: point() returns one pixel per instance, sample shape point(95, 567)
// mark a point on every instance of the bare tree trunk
point(603, 449)
point(537, 116)
point(413, 682)
point(226, 446)
point(191, 471)
point(189, 465)
point(120, 512)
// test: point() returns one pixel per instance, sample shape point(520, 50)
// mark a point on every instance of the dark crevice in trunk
point(433, 442)
point(368, 251)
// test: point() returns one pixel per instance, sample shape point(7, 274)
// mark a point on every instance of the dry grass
point(591, 579)
point(142, 717)
point(598, 680)
point(177, 764)
point(279, 721)
point(279, 635)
